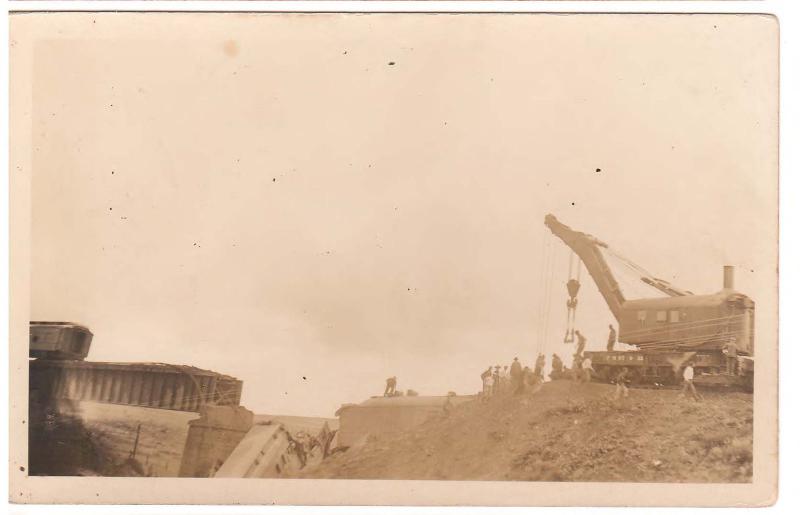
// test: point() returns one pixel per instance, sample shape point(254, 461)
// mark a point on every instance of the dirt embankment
point(567, 432)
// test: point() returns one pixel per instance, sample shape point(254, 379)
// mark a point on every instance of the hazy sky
point(315, 203)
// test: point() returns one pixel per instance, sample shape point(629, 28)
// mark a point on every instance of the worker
point(486, 380)
point(496, 380)
point(586, 370)
point(391, 386)
point(505, 379)
point(575, 369)
point(538, 370)
point(528, 379)
point(516, 376)
point(581, 343)
point(620, 380)
point(730, 356)
point(488, 383)
point(558, 366)
point(688, 381)
point(612, 338)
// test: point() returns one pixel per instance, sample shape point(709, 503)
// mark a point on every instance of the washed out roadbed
point(566, 432)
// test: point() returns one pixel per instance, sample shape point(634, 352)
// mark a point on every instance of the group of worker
point(514, 379)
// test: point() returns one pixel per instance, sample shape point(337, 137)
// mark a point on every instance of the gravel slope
point(567, 432)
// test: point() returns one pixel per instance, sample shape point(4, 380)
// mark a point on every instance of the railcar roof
point(135, 366)
point(61, 324)
point(686, 301)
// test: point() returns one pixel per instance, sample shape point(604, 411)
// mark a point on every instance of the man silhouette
point(612, 338)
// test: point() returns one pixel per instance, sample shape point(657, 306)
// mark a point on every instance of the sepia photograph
point(495, 256)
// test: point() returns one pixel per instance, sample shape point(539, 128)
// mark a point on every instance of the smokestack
point(727, 277)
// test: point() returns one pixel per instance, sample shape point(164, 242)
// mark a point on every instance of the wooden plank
point(177, 401)
point(189, 393)
point(125, 388)
point(158, 385)
point(108, 378)
point(84, 383)
point(73, 384)
point(197, 401)
point(116, 390)
point(137, 388)
point(147, 387)
point(96, 385)
point(167, 391)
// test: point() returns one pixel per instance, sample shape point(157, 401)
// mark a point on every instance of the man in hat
point(620, 380)
point(688, 381)
point(496, 380)
point(730, 356)
point(581, 343)
point(538, 369)
point(505, 379)
point(516, 376)
point(612, 338)
point(486, 381)
point(558, 366)
point(527, 379)
point(391, 386)
point(586, 370)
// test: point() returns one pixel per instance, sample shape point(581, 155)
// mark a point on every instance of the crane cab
point(697, 322)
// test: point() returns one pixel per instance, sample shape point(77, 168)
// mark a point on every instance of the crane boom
point(586, 247)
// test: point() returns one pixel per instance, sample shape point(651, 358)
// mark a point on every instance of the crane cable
point(627, 262)
point(541, 285)
point(545, 291)
point(550, 272)
point(542, 293)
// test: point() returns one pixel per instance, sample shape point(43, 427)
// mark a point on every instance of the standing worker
point(612, 338)
point(505, 379)
point(538, 370)
point(516, 376)
point(558, 367)
point(496, 380)
point(486, 380)
point(581, 344)
point(730, 356)
point(391, 386)
point(575, 369)
point(586, 369)
point(620, 380)
point(688, 381)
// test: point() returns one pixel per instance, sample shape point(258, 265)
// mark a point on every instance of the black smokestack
point(727, 277)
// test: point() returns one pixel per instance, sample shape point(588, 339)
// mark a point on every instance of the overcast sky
point(313, 204)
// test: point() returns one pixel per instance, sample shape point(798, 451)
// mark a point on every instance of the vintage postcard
point(477, 259)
